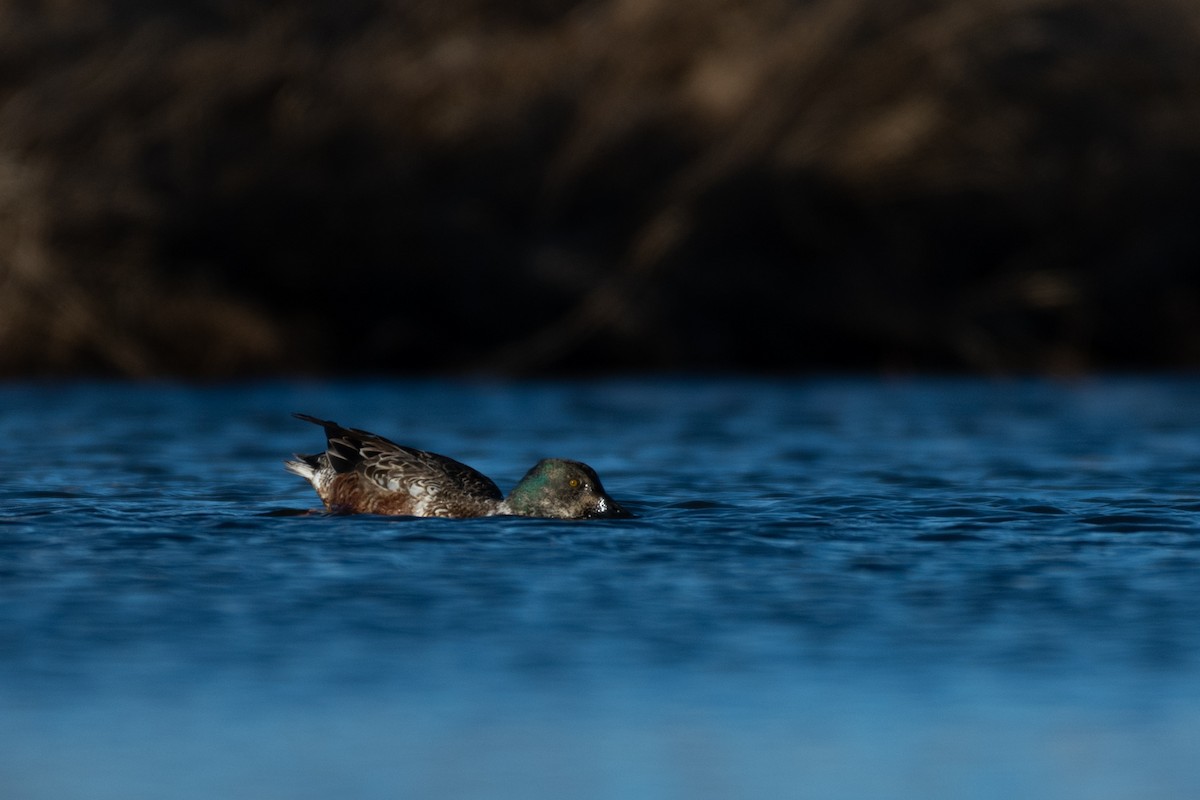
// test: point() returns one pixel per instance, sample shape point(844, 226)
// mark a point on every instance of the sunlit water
point(834, 589)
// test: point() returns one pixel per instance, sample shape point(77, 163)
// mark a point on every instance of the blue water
point(834, 589)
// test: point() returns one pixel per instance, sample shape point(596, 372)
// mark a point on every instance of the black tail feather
point(342, 445)
point(313, 461)
point(324, 423)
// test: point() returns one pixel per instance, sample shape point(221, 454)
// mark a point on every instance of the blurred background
point(212, 188)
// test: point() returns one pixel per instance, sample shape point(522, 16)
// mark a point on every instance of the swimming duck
point(362, 473)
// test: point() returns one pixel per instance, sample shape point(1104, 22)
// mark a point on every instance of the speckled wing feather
point(395, 467)
point(392, 466)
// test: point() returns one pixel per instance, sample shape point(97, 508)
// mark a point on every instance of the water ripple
point(779, 525)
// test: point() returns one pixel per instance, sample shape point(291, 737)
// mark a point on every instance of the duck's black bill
point(610, 509)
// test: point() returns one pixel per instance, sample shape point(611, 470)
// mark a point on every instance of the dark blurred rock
point(214, 188)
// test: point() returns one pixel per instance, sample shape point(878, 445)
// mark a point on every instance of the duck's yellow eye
point(574, 483)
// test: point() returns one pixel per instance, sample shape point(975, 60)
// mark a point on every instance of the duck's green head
point(561, 489)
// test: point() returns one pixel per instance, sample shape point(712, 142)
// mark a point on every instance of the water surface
point(834, 588)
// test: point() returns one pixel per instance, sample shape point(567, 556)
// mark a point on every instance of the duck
point(364, 473)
